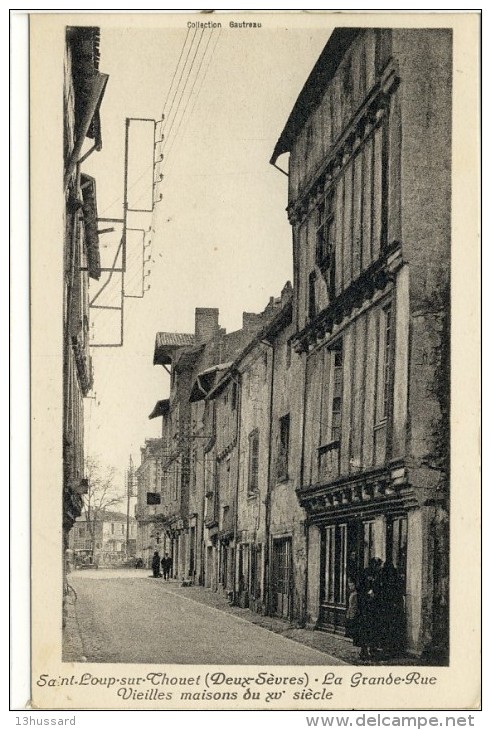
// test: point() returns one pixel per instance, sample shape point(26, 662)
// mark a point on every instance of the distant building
point(103, 541)
point(260, 572)
point(197, 510)
point(148, 512)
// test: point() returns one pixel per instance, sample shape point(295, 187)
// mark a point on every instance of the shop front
point(347, 546)
point(350, 526)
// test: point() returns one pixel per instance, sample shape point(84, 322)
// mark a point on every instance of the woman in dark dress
point(392, 617)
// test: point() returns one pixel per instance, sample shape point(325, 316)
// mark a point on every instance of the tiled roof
point(167, 342)
point(174, 339)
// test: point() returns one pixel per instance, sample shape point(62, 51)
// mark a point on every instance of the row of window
point(331, 429)
point(347, 229)
point(282, 456)
point(83, 531)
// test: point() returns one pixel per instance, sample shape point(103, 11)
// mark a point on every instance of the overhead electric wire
point(134, 269)
point(113, 293)
point(158, 149)
point(165, 127)
point(167, 159)
point(189, 97)
point(203, 77)
point(175, 72)
point(168, 135)
point(165, 121)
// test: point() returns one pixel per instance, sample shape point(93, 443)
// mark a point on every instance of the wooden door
point(281, 582)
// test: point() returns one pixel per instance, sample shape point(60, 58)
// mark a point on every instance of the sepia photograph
point(253, 407)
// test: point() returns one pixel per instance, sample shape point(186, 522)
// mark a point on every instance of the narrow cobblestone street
point(126, 616)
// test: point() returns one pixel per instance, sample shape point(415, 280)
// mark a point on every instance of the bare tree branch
point(101, 496)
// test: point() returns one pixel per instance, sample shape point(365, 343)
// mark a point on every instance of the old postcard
point(255, 370)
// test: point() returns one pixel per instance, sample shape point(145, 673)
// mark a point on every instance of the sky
point(222, 237)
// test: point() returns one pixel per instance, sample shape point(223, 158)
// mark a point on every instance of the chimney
point(250, 321)
point(205, 324)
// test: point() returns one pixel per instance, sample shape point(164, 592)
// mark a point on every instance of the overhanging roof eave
point(310, 95)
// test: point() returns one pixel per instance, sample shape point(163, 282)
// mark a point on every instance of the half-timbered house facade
point(369, 204)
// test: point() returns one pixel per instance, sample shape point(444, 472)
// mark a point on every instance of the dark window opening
point(387, 361)
point(288, 357)
point(325, 232)
point(397, 545)
point(284, 447)
point(368, 542)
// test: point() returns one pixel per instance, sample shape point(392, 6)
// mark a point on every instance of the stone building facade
point(84, 87)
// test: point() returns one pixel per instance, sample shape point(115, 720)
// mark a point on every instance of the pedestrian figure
point(369, 624)
point(156, 564)
point(166, 566)
point(392, 617)
point(352, 613)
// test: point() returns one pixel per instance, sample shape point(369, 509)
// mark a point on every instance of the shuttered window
point(337, 393)
point(253, 481)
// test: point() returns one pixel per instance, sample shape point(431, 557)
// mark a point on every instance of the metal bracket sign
point(119, 266)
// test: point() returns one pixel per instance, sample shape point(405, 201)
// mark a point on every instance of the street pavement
point(127, 616)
